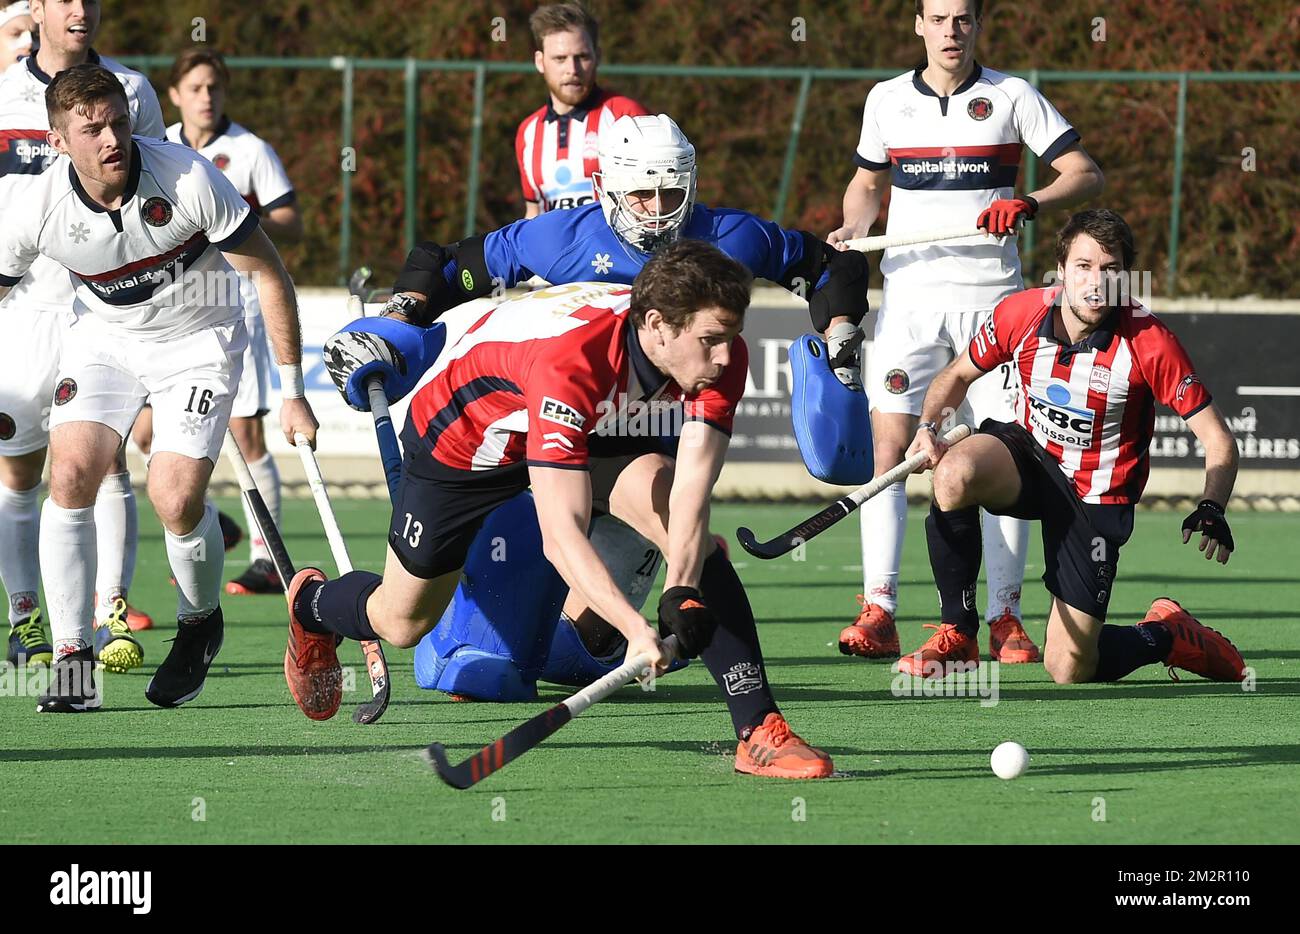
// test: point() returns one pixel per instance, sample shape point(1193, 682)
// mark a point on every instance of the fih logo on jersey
point(1185, 385)
point(553, 410)
point(1059, 420)
point(156, 212)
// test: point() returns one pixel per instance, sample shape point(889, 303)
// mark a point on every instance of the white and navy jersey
point(25, 155)
point(949, 158)
point(556, 153)
point(153, 266)
point(248, 161)
point(254, 169)
point(1091, 405)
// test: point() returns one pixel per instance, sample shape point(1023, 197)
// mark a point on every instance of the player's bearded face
point(98, 141)
point(568, 65)
point(695, 356)
point(1092, 280)
point(200, 97)
point(949, 29)
point(69, 26)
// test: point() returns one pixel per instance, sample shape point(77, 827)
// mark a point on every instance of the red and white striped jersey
point(535, 377)
point(557, 153)
point(1091, 405)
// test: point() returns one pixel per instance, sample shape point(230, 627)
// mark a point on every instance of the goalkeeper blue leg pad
point(491, 643)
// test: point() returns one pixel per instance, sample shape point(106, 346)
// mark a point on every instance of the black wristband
point(1033, 205)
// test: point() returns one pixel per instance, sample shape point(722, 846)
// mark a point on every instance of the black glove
point(1209, 520)
point(682, 613)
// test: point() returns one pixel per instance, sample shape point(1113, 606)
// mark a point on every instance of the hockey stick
point(257, 506)
point(390, 453)
point(814, 526)
point(874, 244)
point(495, 756)
point(376, 664)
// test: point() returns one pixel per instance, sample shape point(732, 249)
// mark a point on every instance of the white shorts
point(910, 348)
point(107, 376)
point(32, 342)
point(253, 392)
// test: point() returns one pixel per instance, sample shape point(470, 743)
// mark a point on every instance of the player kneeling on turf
point(536, 394)
point(1092, 364)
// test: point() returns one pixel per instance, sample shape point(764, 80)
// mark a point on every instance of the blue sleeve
point(771, 251)
point(512, 253)
point(505, 253)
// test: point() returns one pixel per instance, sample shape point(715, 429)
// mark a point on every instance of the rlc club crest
point(156, 212)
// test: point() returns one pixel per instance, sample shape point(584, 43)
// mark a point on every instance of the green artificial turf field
point(1162, 762)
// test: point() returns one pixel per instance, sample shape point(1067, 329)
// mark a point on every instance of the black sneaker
point(179, 678)
point(260, 578)
point(231, 533)
point(73, 688)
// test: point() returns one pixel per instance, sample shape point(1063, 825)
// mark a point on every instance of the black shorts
point(438, 510)
point(1081, 541)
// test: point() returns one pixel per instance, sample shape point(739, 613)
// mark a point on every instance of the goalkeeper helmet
point(646, 181)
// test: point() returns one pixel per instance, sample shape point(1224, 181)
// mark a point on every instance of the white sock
point(68, 549)
point(884, 520)
point(1006, 544)
point(118, 528)
point(267, 477)
point(197, 561)
point(20, 566)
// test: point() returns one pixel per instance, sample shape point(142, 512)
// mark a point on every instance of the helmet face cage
point(642, 231)
point(645, 154)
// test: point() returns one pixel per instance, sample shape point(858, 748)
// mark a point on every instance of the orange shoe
point(1009, 643)
point(1197, 648)
point(946, 647)
point(138, 620)
point(872, 635)
point(773, 750)
point(311, 664)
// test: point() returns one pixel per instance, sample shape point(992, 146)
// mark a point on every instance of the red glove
point(1000, 217)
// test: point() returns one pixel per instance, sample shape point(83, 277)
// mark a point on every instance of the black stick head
point(357, 283)
point(373, 709)
point(436, 756)
point(765, 550)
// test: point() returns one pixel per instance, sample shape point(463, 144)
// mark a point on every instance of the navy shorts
point(1081, 541)
point(438, 510)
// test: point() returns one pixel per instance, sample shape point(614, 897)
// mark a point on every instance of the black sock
point(1124, 649)
point(338, 606)
point(734, 657)
point(955, 542)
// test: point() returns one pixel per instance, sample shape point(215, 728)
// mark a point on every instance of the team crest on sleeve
point(553, 410)
point(64, 392)
point(897, 381)
point(7, 427)
point(981, 108)
point(156, 212)
point(221, 161)
point(1185, 385)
